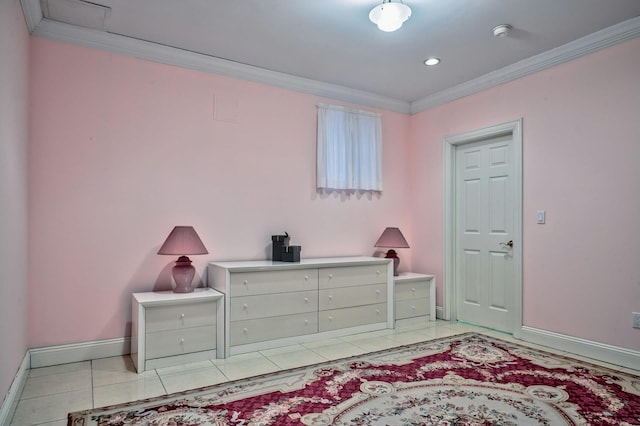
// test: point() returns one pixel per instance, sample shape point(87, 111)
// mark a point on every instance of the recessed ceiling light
point(431, 62)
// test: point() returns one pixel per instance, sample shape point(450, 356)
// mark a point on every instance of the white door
point(484, 232)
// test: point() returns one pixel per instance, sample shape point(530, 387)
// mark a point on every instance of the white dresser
point(174, 328)
point(270, 304)
point(415, 297)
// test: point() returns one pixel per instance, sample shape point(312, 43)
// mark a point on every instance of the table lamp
point(183, 241)
point(392, 238)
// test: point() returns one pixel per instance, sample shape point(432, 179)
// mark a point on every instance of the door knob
point(507, 244)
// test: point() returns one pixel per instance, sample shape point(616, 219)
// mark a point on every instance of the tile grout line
point(93, 391)
point(164, 387)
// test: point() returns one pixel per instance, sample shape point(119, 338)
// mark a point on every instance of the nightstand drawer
point(352, 276)
point(172, 317)
point(271, 305)
point(352, 317)
point(178, 342)
point(344, 297)
point(412, 308)
point(252, 283)
point(411, 290)
point(262, 329)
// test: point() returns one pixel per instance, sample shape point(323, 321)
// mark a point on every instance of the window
point(349, 149)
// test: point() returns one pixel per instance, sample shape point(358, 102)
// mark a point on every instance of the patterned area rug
point(462, 380)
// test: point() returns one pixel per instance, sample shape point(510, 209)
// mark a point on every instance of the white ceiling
point(330, 46)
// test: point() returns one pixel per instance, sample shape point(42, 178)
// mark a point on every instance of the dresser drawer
point(352, 276)
point(177, 316)
point(262, 329)
point(411, 290)
point(271, 305)
point(412, 308)
point(344, 297)
point(178, 342)
point(253, 283)
point(352, 317)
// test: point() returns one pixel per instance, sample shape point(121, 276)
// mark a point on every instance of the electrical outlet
point(636, 320)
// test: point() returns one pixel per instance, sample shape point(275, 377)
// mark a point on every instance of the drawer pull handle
point(413, 308)
point(306, 322)
point(181, 315)
point(413, 290)
point(246, 282)
point(244, 306)
point(306, 277)
point(330, 276)
point(377, 272)
point(306, 300)
point(330, 318)
point(330, 297)
point(377, 291)
point(377, 311)
point(245, 331)
point(181, 340)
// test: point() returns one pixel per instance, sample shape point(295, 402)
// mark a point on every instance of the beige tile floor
point(52, 392)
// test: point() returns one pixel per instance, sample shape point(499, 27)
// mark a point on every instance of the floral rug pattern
point(461, 380)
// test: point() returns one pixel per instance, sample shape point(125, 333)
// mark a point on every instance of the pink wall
point(14, 96)
point(581, 155)
point(122, 150)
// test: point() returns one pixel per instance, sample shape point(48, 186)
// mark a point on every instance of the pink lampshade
point(183, 240)
point(392, 238)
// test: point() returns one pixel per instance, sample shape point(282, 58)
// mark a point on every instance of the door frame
point(449, 145)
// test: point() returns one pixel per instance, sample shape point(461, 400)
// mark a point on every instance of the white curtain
point(349, 149)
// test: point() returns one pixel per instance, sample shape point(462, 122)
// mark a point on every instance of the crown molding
point(183, 58)
point(591, 43)
point(42, 27)
point(32, 13)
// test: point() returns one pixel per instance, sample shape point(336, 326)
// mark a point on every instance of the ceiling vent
point(77, 12)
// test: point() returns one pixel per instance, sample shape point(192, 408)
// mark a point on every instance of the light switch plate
point(541, 217)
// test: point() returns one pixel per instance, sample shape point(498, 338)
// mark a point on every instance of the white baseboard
point(76, 352)
point(15, 390)
point(598, 351)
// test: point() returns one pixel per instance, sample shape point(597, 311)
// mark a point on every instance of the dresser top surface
point(321, 262)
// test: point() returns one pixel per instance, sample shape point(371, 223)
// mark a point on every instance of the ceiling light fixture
point(389, 16)
point(431, 62)
point(502, 30)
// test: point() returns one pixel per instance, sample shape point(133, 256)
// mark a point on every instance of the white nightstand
point(415, 297)
point(174, 328)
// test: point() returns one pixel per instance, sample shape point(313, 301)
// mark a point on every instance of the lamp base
point(183, 273)
point(391, 254)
